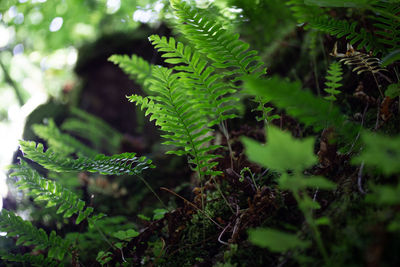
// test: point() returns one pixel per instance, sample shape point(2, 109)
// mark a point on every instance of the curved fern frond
point(136, 67)
point(183, 120)
point(45, 190)
point(333, 78)
point(343, 28)
point(196, 74)
point(221, 46)
point(95, 130)
point(28, 235)
point(120, 164)
point(32, 260)
point(62, 143)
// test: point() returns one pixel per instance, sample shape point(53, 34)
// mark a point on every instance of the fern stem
point(225, 132)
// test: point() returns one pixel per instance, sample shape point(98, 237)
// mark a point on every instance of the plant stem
point(151, 189)
point(310, 221)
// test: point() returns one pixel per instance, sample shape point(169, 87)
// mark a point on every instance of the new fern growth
point(183, 120)
point(333, 78)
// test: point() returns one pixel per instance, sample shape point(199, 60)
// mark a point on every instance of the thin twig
point(359, 180)
point(222, 233)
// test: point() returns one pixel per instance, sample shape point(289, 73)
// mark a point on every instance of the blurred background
point(53, 58)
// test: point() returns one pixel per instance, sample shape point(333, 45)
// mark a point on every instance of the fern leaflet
point(333, 78)
point(198, 75)
point(32, 260)
point(28, 235)
point(120, 164)
point(218, 44)
point(42, 189)
point(62, 143)
point(136, 67)
point(183, 120)
point(95, 130)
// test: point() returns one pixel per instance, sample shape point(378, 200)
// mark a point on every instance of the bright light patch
point(12, 12)
point(35, 17)
point(3, 185)
point(56, 24)
point(4, 36)
point(19, 19)
point(18, 49)
point(143, 16)
point(113, 6)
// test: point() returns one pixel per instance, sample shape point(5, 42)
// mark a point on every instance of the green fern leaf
point(301, 104)
point(62, 143)
point(196, 74)
point(32, 260)
point(343, 28)
point(136, 67)
point(183, 121)
point(333, 78)
point(120, 164)
point(45, 190)
point(221, 46)
point(28, 235)
point(99, 133)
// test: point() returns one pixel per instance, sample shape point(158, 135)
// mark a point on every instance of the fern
point(62, 143)
point(136, 67)
point(388, 26)
point(300, 104)
point(363, 63)
point(42, 189)
point(333, 78)
point(302, 12)
point(183, 120)
point(32, 260)
point(121, 164)
point(28, 235)
point(95, 130)
point(221, 46)
point(343, 28)
point(198, 75)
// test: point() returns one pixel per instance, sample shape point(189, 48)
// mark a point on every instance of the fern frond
point(62, 143)
point(120, 164)
point(28, 235)
point(333, 78)
point(343, 28)
point(300, 104)
point(218, 44)
point(32, 260)
point(388, 27)
point(45, 190)
point(196, 74)
point(302, 12)
point(93, 129)
point(363, 63)
point(183, 120)
point(136, 67)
